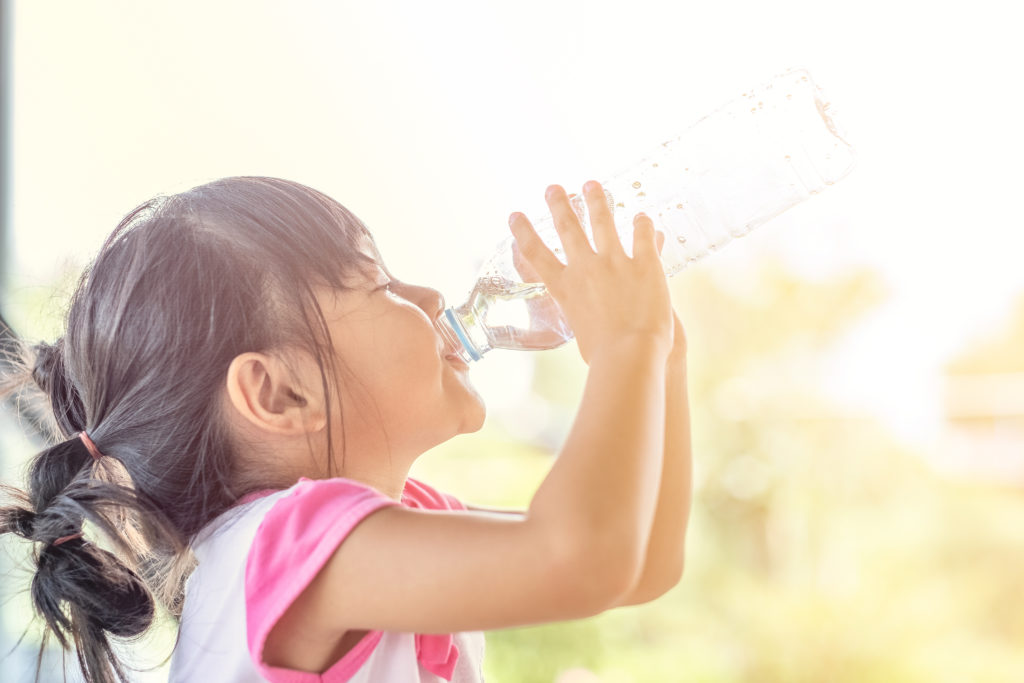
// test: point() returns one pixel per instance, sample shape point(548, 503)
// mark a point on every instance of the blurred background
point(856, 364)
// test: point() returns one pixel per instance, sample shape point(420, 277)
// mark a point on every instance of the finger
point(567, 224)
point(523, 266)
point(660, 237)
point(644, 246)
point(606, 239)
point(533, 248)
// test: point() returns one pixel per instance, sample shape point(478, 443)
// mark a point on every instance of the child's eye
point(389, 287)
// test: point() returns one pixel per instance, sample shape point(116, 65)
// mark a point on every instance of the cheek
point(394, 367)
point(407, 365)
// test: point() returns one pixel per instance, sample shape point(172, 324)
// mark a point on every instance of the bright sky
point(432, 121)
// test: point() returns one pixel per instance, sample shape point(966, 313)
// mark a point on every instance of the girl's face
point(401, 388)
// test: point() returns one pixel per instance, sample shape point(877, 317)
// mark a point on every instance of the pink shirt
point(258, 557)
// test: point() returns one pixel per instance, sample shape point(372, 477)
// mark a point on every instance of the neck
point(390, 482)
point(373, 462)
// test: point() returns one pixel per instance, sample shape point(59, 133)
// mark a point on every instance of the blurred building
point(983, 406)
point(983, 432)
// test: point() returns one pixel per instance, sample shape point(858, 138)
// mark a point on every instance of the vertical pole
point(9, 670)
point(5, 147)
point(4, 212)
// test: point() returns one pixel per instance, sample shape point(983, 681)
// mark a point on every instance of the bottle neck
point(455, 334)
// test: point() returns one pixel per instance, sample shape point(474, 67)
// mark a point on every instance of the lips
point(455, 359)
point(452, 356)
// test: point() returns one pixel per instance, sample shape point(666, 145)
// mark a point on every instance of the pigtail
point(84, 593)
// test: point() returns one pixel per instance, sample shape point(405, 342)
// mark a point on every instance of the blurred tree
point(757, 342)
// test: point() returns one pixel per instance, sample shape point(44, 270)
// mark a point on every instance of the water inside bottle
point(503, 302)
point(512, 315)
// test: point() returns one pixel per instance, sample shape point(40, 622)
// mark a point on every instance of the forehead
point(367, 264)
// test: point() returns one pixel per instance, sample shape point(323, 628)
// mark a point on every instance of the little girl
point(239, 396)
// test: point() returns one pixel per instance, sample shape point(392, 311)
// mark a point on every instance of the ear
point(278, 397)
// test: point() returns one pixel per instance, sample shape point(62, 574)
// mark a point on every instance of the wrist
point(634, 345)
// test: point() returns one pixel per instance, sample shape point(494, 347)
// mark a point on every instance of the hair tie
point(89, 445)
point(64, 539)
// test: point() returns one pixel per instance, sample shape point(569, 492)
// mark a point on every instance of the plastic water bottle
point(743, 164)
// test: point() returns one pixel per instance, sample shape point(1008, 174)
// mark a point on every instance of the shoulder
point(307, 523)
point(299, 534)
point(310, 505)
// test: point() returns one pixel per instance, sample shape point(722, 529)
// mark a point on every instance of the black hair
point(183, 285)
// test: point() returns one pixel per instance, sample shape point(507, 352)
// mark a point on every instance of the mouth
point(447, 348)
point(455, 359)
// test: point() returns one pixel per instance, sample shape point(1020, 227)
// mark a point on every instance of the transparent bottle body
point(762, 153)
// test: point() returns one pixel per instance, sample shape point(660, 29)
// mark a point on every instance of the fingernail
point(513, 218)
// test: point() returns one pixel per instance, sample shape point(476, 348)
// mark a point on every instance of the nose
point(435, 303)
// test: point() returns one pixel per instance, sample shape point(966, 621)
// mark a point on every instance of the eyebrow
point(371, 271)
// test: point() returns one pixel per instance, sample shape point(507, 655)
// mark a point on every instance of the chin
point(475, 425)
point(474, 418)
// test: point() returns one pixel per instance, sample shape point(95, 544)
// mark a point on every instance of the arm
point(663, 566)
point(665, 556)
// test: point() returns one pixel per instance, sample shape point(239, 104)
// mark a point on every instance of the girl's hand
point(606, 296)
